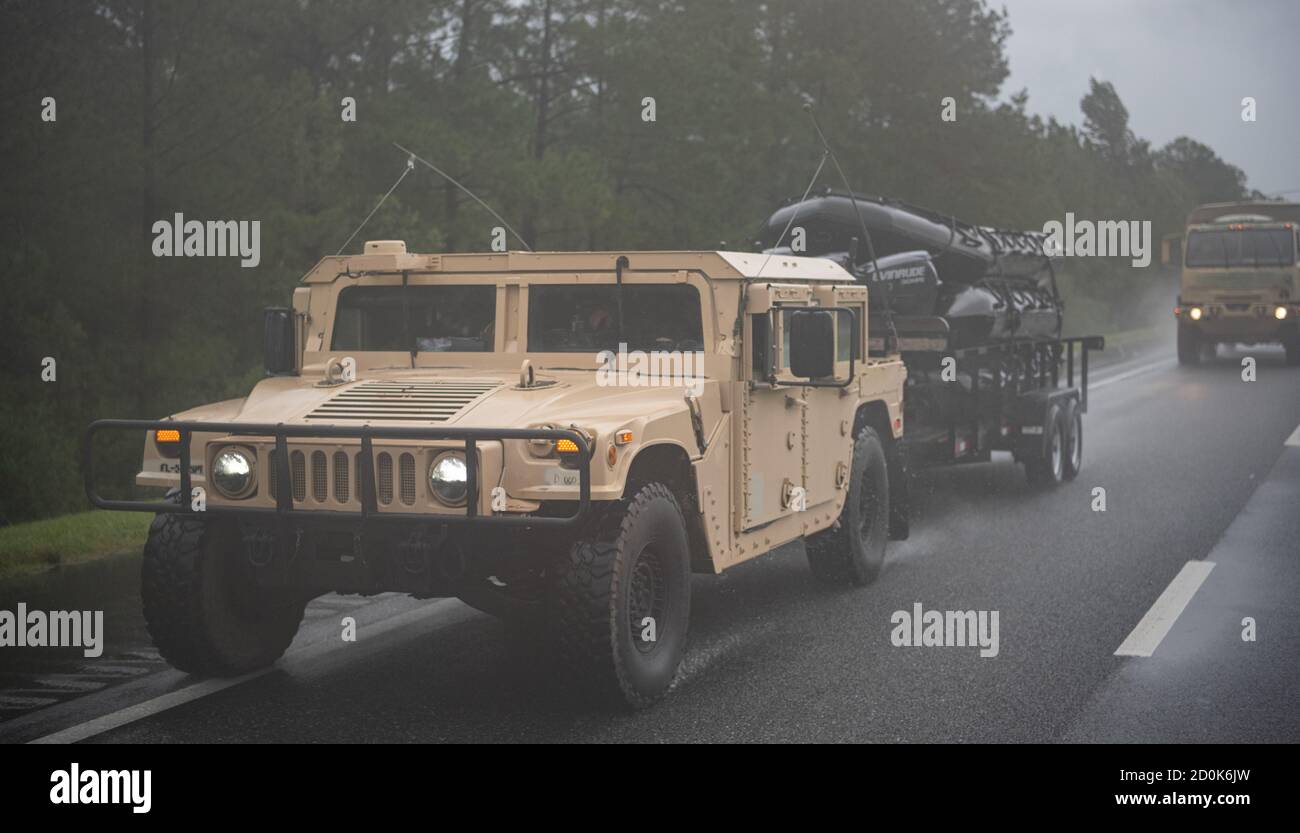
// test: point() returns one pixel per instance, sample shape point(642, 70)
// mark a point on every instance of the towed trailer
point(1027, 397)
point(975, 314)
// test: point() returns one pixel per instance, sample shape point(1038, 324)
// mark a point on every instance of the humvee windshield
point(453, 319)
point(580, 319)
point(1240, 248)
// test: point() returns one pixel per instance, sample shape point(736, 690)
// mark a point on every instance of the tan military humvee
point(556, 438)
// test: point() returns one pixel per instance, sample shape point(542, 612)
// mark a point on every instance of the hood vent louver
point(380, 400)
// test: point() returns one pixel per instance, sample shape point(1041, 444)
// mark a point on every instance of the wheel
point(1189, 346)
point(1072, 439)
point(853, 550)
point(622, 599)
point(1047, 467)
point(200, 606)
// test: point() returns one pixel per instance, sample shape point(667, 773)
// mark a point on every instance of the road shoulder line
point(1147, 636)
point(204, 688)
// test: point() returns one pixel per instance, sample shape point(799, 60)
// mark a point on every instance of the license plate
point(561, 477)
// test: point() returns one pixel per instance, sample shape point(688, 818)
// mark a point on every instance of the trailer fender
point(1030, 416)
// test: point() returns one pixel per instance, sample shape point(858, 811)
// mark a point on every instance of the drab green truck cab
point(1240, 278)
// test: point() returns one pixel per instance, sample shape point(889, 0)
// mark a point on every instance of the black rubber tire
point(1046, 469)
point(1072, 439)
point(204, 615)
point(853, 550)
point(1189, 346)
point(599, 587)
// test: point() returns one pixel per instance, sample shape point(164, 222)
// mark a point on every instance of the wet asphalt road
point(777, 657)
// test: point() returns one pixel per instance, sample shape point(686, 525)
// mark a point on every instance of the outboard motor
point(907, 281)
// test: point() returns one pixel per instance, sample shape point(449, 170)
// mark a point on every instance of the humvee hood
point(465, 398)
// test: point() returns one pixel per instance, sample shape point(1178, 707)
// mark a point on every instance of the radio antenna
point(406, 169)
point(853, 200)
point(440, 172)
point(866, 235)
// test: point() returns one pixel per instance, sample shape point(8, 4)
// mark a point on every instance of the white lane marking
point(1129, 374)
point(1146, 637)
point(1294, 439)
point(190, 693)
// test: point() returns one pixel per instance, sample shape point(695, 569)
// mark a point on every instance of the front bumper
point(367, 491)
point(1249, 322)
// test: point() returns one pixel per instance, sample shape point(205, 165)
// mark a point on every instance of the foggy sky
point(1181, 67)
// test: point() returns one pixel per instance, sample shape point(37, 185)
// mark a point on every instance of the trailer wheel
point(203, 612)
point(1072, 428)
point(622, 599)
point(1189, 346)
point(853, 550)
point(1046, 468)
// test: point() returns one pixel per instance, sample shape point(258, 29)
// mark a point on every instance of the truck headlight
point(232, 473)
point(1195, 313)
point(1280, 313)
point(449, 478)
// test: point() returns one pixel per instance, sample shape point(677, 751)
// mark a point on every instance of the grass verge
point(39, 545)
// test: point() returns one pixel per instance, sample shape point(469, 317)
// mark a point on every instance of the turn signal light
point(168, 442)
point(566, 446)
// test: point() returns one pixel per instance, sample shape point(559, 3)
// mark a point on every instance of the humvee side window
point(454, 319)
point(844, 346)
point(761, 336)
point(581, 319)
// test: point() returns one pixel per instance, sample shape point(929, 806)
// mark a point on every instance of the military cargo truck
point(557, 439)
point(1240, 278)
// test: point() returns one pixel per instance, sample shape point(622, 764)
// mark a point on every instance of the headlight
point(1280, 313)
point(232, 473)
point(448, 479)
point(1195, 313)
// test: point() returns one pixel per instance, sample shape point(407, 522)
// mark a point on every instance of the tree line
point(588, 124)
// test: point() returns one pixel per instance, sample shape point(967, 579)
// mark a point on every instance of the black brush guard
point(365, 462)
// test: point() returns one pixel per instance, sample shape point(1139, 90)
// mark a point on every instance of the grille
point(335, 478)
point(341, 481)
point(407, 464)
point(298, 474)
point(274, 477)
point(384, 478)
point(435, 401)
point(319, 477)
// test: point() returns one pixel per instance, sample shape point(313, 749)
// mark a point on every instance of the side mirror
point(279, 344)
point(812, 343)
